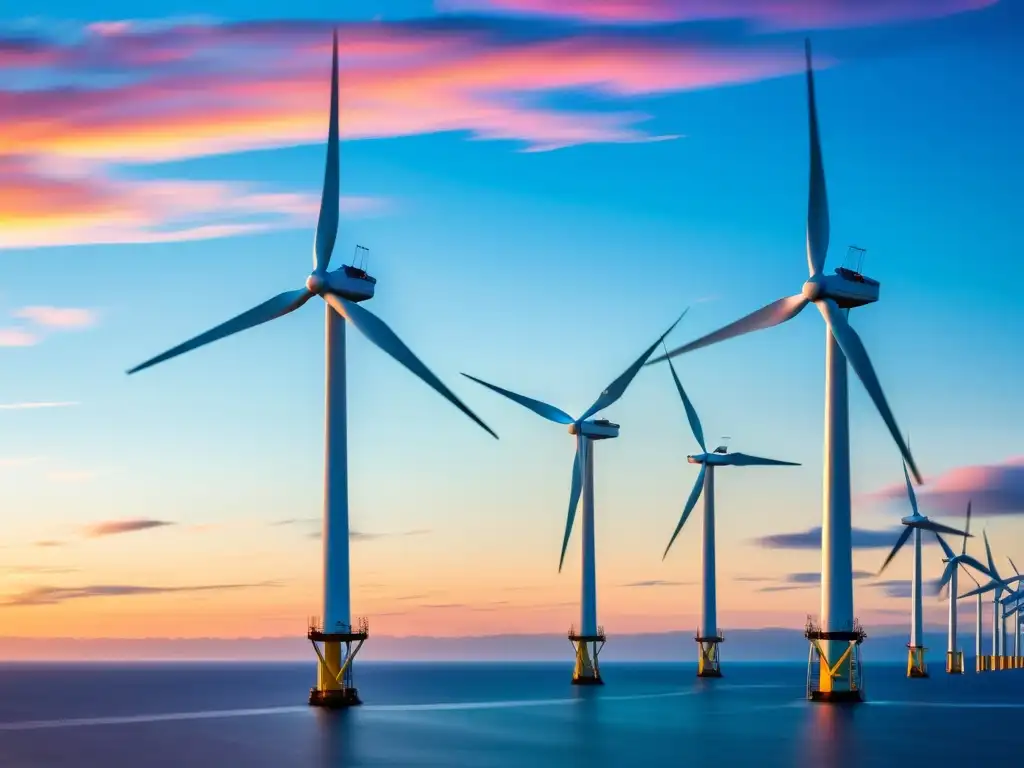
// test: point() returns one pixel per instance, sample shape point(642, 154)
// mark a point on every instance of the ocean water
point(491, 715)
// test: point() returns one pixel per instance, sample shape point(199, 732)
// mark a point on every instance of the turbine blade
point(979, 591)
point(327, 224)
point(691, 413)
point(899, 544)
point(374, 329)
point(574, 497)
point(855, 353)
point(972, 575)
point(988, 554)
point(910, 488)
point(947, 574)
point(542, 409)
point(931, 525)
point(269, 310)
point(966, 560)
point(777, 312)
point(744, 460)
point(817, 203)
point(616, 389)
point(967, 530)
point(945, 547)
point(1012, 565)
point(690, 503)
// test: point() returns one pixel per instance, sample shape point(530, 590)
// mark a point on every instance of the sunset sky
point(541, 193)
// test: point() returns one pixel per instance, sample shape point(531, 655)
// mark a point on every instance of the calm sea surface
point(450, 715)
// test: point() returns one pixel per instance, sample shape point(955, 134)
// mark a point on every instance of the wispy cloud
point(64, 318)
point(993, 489)
point(17, 337)
point(55, 595)
point(114, 527)
point(862, 538)
point(773, 14)
point(20, 570)
point(804, 580)
point(49, 543)
point(656, 583)
point(36, 404)
point(893, 587)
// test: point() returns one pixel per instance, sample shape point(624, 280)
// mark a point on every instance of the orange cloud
point(777, 14)
point(42, 210)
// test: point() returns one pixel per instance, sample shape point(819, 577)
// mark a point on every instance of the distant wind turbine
point(996, 585)
point(954, 562)
point(914, 524)
point(341, 289)
point(708, 635)
point(590, 639)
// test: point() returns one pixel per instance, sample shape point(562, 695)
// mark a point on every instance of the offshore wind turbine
point(708, 635)
point(954, 562)
point(341, 289)
point(977, 623)
point(1013, 611)
point(590, 638)
point(914, 524)
point(837, 641)
point(996, 585)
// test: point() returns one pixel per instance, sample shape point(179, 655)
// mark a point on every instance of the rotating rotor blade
point(543, 410)
point(988, 554)
point(690, 503)
point(374, 329)
point(327, 224)
point(966, 560)
point(1013, 566)
point(910, 487)
point(280, 305)
point(691, 413)
point(967, 530)
point(817, 203)
point(744, 460)
point(858, 358)
point(971, 575)
point(980, 590)
point(899, 544)
point(1016, 596)
point(947, 551)
point(947, 574)
point(777, 312)
point(574, 497)
point(616, 389)
point(931, 525)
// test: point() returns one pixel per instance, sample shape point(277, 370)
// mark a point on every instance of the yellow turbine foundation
point(916, 666)
point(335, 688)
point(708, 659)
point(587, 670)
point(955, 662)
point(840, 681)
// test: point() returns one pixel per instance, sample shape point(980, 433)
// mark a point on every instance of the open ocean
point(500, 715)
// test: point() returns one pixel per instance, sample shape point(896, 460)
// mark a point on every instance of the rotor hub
point(315, 283)
point(814, 289)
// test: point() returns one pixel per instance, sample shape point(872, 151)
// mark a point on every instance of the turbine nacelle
point(595, 429)
point(348, 282)
point(846, 288)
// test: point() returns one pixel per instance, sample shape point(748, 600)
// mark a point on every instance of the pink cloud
point(64, 318)
point(17, 337)
point(775, 14)
point(412, 80)
point(995, 489)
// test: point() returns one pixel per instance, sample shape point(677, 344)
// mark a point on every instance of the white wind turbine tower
point(977, 624)
point(954, 562)
point(837, 641)
point(914, 524)
point(341, 289)
point(996, 585)
point(590, 639)
point(708, 635)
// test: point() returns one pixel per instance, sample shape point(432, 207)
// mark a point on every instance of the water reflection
point(338, 738)
point(829, 736)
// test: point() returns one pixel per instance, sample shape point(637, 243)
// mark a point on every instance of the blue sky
point(542, 271)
